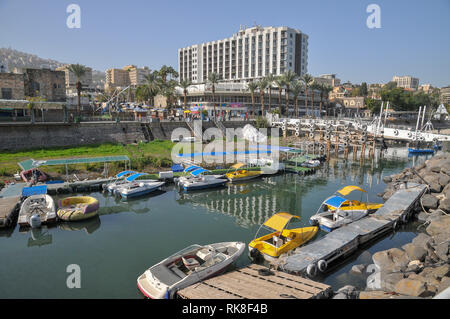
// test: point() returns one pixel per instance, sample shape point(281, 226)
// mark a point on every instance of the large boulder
point(421, 240)
point(378, 294)
point(411, 287)
point(389, 280)
point(444, 179)
point(435, 187)
point(439, 225)
point(444, 284)
point(430, 201)
point(431, 177)
point(445, 205)
point(391, 260)
point(415, 252)
point(445, 168)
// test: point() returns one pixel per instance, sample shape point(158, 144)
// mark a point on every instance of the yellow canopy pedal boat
point(337, 210)
point(77, 208)
point(282, 237)
point(242, 174)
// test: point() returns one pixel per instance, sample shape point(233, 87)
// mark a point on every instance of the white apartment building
point(249, 54)
point(406, 82)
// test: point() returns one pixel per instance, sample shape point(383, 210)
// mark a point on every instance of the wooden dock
point(249, 283)
point(9, 208)
point(343, 241)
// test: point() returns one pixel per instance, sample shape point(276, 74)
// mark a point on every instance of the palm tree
point(252, 87)
point(307, 80)
point(279, 82)
point(314, 86)
point(270, 80)
point(324, 90)
point(185, 84)
point(154, 85)
point(296, 89)
point(262, 86)
point(167, 72)
point(289, 77)
point(213, 79)
point(79, 71)
point(168, 91)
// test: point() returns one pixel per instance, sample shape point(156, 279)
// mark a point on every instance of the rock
point(420, 166)
point(434, 214)
point(358, 269)
point(387, 179)
point(340, 296)
point(388, 194)
point(414, 266)
point(415, 252)
point(444, 179)
point(348, 291)
point(421, 240)
point(422, 217)
point(445, 205)
point(389, 280)
point(435, 187)
point(439, 225)
point(411, 287)
point(440, 272)
point(384, 260)
point(377, 294)
point(441, 251)
point(444, 284)
point(431, 178)
point(435, 169)
point(380, 194)
point(446, 168)
point(430, 201)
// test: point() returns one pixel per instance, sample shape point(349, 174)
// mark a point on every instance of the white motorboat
point(120, 180)
point(138, 188)
point(198, 180)
point(131, 182)
point(187, 267)
point(37, 209)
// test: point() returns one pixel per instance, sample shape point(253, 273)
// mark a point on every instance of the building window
point(7, 93)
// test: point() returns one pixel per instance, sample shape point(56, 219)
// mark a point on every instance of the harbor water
point(127, 237)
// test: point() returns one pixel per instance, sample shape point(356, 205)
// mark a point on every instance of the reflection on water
point(253, 202)
point(88, 225)
point(39, 237)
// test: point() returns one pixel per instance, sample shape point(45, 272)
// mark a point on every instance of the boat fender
point(364, 127)
point(255, 254)
point(322, 265)
point(395, 132)
point(311, 270)
point(35, 221)
point(405, 218)
point(409, 134)
point(311, 135)
point(297, 133)
point(394, 225)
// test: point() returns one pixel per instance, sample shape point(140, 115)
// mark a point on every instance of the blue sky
point(413, 38)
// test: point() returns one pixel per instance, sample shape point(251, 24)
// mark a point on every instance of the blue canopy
point(335, 201)
point(34, 190)
point(124, 173)
point(177, 168)
point(191, 168)
point(134, 176)
point(198, 171)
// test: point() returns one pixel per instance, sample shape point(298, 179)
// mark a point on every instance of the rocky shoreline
point(419, 269)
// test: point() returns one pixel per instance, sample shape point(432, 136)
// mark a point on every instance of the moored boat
point(33, 175)
point(242, 174)
point(187, 267)
point(120, 180)
point(138, 188)
point(281, 233)
point(77, 208)
point(200, 181)
point(37, 209)
point(337, 210)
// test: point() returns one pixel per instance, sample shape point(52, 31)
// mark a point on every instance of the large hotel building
point(249, 54)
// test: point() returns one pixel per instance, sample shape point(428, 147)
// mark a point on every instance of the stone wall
point(15, 83)
point(45, 83)
point(26, 136)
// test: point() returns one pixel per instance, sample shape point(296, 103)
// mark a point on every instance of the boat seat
point(177, 271)
point(190, 263)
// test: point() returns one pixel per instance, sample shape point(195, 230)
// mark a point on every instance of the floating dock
point(9, 208)
point(345, 240)
point(249, 283)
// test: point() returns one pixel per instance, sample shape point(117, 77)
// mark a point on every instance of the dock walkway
point(248, 283)
point(345, 240)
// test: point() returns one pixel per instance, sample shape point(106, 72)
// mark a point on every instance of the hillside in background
point(17, 59)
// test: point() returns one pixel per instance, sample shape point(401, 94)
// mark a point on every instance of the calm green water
point(128, 237)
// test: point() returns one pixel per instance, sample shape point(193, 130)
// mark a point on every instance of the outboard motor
point(255, 254)
point(35, 221)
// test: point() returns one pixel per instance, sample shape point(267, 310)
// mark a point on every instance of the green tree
point(270, 80)
point(154, 85)
point(373, 105)
point(185, 84)
point(79, 71)
point(262, 86)
point(213, 79)
point(280, 83)
point(324, 91)
point(289, 77)
point(296, 89)
point(252, 87)
point(308, 81)
point(363, 89)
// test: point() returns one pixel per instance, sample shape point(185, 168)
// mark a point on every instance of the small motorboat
point(187, 267)
point(311, 163)
point(337, 210)
point(129, 182)
point(242, 174)
point(138, 188)
point(200, 181)
point(33, 175)
point(120, 180)
point(77, 208)
point(37, 209)
point(281, 233)
point(421, 150)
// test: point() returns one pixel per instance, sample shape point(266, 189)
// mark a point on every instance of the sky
point(413, 38)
